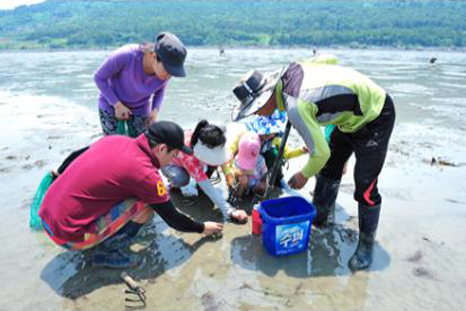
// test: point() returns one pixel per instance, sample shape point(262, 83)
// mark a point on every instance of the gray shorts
point(177, 176)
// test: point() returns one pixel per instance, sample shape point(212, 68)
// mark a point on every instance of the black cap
point(172, 52)
point(168, 133)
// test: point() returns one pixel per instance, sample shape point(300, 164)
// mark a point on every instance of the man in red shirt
point(111, 189)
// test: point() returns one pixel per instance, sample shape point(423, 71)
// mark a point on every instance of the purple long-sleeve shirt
point(121, 77)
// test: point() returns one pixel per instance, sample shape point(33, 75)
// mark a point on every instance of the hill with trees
point(97, 24)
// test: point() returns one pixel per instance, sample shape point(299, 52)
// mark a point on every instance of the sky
point(11, 4)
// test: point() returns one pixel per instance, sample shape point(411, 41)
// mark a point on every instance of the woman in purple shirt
point(133, 74)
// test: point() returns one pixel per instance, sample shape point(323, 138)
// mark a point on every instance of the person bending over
point(100, 200)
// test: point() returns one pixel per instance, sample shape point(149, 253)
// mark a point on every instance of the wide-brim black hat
point(254, 91)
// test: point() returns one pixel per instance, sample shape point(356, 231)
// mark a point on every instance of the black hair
point(211, 135)
point(153, 144)
point(146, 47)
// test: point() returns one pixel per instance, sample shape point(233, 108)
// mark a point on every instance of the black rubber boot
point(325, 196)
point(123, 238)
point(368, 222)
point(132, 228)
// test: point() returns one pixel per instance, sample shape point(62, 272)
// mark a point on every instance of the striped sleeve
point(302, 117)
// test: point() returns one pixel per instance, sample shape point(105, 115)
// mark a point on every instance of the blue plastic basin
point(286, 225)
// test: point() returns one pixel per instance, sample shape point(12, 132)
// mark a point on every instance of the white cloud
point(11, 4)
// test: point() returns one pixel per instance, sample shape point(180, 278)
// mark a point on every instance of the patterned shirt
point(195, 167)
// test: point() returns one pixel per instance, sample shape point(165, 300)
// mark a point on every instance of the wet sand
point(418, 260)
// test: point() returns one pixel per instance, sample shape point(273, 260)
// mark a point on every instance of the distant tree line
point(90, 24)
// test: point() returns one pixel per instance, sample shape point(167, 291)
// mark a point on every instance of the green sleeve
point(309, 129)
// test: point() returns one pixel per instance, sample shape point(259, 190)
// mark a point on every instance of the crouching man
point(110, 190)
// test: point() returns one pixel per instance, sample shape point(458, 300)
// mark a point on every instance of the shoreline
point(253, 47)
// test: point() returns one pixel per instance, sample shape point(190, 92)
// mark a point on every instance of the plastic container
point(256, 221)
point(286, 225)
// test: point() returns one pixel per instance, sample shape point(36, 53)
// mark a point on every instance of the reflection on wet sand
point(236, 271)
point(313, 279)
point(71, 277)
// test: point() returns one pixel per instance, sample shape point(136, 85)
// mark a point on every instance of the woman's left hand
point(153, 116)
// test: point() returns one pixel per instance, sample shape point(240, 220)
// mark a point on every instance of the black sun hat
point(253, 91)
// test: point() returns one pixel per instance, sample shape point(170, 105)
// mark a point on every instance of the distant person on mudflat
point(132, 82)
point(315, 95)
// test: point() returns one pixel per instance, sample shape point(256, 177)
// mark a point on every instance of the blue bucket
point(286, 224)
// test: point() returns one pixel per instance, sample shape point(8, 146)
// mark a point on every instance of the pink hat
point(248, 151)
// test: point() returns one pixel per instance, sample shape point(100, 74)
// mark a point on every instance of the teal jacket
point(315, 95)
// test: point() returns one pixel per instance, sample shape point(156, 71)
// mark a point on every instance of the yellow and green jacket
point(316, 94)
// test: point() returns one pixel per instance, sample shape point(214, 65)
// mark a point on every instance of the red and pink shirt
point(195, 168)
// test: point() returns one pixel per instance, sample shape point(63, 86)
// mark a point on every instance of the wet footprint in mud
point(11, 157)
point(6, 169)
point(38, 163)
point(54, 137)
point(420, 271)
point(423, 273)
point(416, 257)
point(209, 302)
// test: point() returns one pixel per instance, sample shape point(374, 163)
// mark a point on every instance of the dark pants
point(370, 145)
point(137, 124)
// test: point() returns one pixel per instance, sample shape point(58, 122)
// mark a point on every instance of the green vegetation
point(96, 24)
